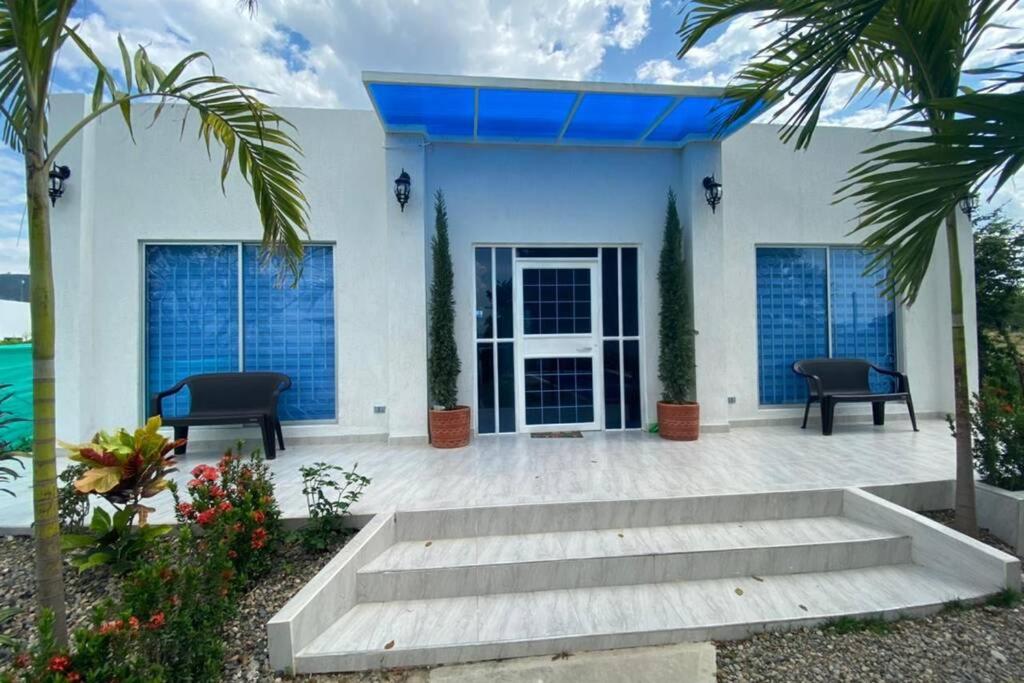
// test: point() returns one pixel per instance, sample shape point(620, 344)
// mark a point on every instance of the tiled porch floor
point(519, 469)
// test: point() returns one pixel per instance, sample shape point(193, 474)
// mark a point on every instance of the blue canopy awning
point(548, 112)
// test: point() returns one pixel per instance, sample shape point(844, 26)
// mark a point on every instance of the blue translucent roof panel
point(693, 116)
point(523, 113)
point(616, 116)
point(441, 110)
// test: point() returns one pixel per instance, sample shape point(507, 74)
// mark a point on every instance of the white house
point(556, 195)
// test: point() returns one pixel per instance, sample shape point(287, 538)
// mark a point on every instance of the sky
point(312, 52)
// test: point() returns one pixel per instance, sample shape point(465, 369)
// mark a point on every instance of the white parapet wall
point(15, 320)
point(1002, 513)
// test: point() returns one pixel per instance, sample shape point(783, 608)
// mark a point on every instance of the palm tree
point(910, 51)
point(229, 116)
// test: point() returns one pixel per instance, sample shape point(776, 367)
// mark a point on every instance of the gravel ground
point(974, 644)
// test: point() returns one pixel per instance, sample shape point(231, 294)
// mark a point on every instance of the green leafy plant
point(847, 625)
point(443, 363)
point(329, 490)
point(7, 614)
point(997, 423)
point(675, 331)
point(234, 503)
point(73, 505)
point(123, 468)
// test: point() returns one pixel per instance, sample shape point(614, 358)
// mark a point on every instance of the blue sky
point(311, 53)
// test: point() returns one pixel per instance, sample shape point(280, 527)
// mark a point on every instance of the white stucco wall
point(15, 321)
point(164, 188)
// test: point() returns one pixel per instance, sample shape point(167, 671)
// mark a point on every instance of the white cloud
point(668, 72)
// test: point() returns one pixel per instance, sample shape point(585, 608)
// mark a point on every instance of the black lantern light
point(969, 205)
point(712, 191)
point(58, 174)
point(403, 183)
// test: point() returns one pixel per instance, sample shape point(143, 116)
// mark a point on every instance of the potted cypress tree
point(449, 422)
point(678, 413)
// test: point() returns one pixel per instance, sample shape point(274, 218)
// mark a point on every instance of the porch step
point(426, 632)
point(490, 565)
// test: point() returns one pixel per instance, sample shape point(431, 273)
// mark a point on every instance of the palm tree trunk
point(966, 518)
point(49, 576)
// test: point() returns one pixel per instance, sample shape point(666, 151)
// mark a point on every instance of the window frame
point(898, 350)
point(143, 372)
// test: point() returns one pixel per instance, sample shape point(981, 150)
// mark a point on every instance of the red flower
point(237, 527)
point(22, 661)
point(134, 623)
point(258, 516)
point(195, 483)
point(232, 554)
point(216, 491)
point(225, 506)
point(259, 538)
point(59, 663)
point(210, 473)
point(186, 510)
point(156, 621)
point(108, 627)
point(206, 516)
point(74, 677)
point(197, 471)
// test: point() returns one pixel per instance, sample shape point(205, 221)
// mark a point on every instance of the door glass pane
point(485, 388)
point(503, 284)
point(506, 388)
point(631, 382)
point(610, 291)
point(863, 318)
point(556, 301)
point(559, 390)
point(792, 314)
point(612, 394)
point(630, 298)
point(290, 329)
point(191, 316)
point(484, 300)
point(556, 252)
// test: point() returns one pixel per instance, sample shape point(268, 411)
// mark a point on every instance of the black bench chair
point(224, 398)
point(846, 380)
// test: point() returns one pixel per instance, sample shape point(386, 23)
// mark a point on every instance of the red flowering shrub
point(997, 421)
point(234, 502)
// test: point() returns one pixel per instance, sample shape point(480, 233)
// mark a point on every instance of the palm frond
point(230, 117)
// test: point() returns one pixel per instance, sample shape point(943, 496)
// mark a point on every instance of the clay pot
point(450, 428)
point(679, 421)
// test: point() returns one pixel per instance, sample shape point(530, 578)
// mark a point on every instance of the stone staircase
point(445, 586)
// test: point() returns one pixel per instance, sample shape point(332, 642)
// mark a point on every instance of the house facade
point(556, 195)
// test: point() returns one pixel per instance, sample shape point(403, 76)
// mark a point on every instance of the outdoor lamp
point(402, 184)
point(969, 204)
point(712, 191)
point(58, 174)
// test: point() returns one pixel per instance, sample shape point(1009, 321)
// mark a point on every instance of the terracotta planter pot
point(679, 421)
point(450, 428)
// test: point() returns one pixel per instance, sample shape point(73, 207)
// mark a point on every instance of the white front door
point(558, 341)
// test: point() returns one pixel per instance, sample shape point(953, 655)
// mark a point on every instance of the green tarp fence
point(16, 371)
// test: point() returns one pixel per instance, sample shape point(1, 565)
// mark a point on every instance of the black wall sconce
point(58, 174)
point(712, 191)
point(403, 185)
point(969, 205)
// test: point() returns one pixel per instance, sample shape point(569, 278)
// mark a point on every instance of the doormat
point(557, 435)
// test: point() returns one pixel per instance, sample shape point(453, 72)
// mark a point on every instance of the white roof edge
point(402, 78)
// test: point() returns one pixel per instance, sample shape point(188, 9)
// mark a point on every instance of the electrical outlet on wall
point(379, 410)
point(732, 400)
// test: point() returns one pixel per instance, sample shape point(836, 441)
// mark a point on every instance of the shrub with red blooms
point(234, 502)
point(997, 421)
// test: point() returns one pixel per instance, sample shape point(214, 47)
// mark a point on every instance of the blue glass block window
point(191, 316)
point(559, 390)
point(792, 318)
point(863, 318)
point(291, 330)
point(556, 300)
point(817, 303)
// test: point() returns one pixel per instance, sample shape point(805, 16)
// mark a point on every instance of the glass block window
point(211, 308)
point(863, 318)
point(621, 334)
point(495, 364)
point(291, 330)
point(191, 316)
point(815, 302)
point(556, 301)
point(559, 390)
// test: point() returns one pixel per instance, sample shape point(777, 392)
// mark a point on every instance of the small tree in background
point(444, 363)
point(675, 334)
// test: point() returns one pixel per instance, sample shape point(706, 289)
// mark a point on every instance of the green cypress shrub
point(675, 333)
point(443, 362)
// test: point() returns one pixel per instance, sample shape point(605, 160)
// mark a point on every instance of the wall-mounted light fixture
point(58, 174)
point(403, 185)
point(969, 205)
point(712, 191)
